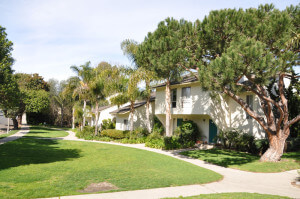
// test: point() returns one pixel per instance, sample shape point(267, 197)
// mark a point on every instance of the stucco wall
point(224, 111)
point(139, 118)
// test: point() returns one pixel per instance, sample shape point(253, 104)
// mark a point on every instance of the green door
point(213, 130)
point(179, 121)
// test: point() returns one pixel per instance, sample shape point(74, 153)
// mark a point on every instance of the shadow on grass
point(41, 128)
point(223, 158)
point(26, 151)
point(292, 155)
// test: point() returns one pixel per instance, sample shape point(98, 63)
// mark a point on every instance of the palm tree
point(72, 84)
point(130, 48)
point(97, 92)
point(85, 75)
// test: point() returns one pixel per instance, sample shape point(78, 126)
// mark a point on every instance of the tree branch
point(246, 107)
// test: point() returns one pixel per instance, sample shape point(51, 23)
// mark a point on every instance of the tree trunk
point(83, 120)
point(20, 120)
point(62, 116)
point(131, 115)
point(15, 122)
point(7, 125)
point(168, 109)
point(73, 118)
point(148, 115)
point(275, 150)
point(97, 118)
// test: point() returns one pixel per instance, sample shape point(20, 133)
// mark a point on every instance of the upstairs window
point(249, 99)
point(186, 97)
point(173, 97)
point(186, 93)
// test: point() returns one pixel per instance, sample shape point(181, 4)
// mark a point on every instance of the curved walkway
point(233, 181)
point(23, 131)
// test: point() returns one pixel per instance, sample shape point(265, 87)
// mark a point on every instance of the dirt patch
point(96, 187)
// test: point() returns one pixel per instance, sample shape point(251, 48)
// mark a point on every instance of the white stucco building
point(190, 102)
point(139, 117)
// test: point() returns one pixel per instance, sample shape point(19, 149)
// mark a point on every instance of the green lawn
point(46, 168)
point(36, 131)
point(246, 161)
point(233, 196)
point(9, 133)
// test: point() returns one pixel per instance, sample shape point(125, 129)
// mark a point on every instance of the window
point(186, 92)
point(125, 125)
point(174, 97)
point(249, 99)
point(186, 97)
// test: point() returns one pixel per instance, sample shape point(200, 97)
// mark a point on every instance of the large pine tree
point(258, 44)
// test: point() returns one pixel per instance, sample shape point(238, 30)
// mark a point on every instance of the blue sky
point(49, 36)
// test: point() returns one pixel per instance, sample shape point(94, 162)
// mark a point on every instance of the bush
point(237, 140)
point(108, 124)
point(293, 144)
point(158, 128)
point(260, 146)
point(187, 133)
point(155, 143)
point(139, 133)
point(113, 133)
point(86, 133)
point(172, 143)
point(133, 141)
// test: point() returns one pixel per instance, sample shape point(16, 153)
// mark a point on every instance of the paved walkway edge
point(233, 181)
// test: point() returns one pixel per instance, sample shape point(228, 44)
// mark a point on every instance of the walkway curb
point(233, 181)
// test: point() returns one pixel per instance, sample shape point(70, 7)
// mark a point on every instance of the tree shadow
point(42, 128)
point(26, 151)
point(223, 158)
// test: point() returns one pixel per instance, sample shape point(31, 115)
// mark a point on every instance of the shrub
point(155, 143)
point(139, 133)
point(133, 141)
point(158, 128)
point(86, 133)
point(172, 143)
point(293, 144)
point(187, 133)
point(237, 140)
point(108, 124)
point(113, 133)
point(260, 146)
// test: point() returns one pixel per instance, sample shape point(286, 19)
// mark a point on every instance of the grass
point(233, 196)
point(44, 132)
point(35, 168)
point(8, 134)
point(246, 161)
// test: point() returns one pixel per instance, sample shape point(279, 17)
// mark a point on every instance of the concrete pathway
point(23, 131)
point(233, 181)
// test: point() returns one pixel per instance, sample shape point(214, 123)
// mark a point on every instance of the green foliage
point(172, 143)
point(36, 100)
point(155, 143)
point(187, 132)
point(158, 127)
point(108, 124)
point(113, 133)
point(86, 133)
point(139, 133)
point(293, 144)
point(241, 141)
point(162, 51)
point(9, 91)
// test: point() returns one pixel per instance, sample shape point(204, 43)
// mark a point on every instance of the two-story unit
point(190, 102)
